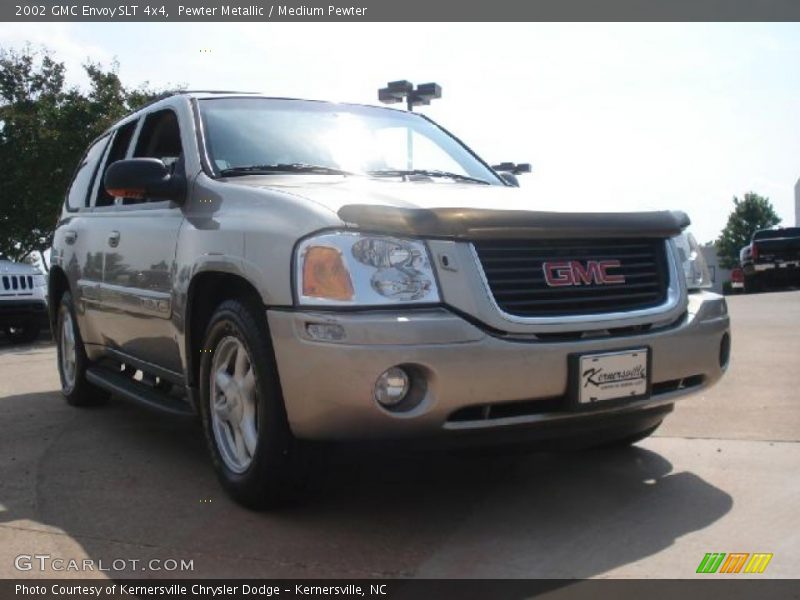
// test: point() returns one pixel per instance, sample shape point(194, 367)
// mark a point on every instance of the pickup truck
point(771, 259)
point(296, 271)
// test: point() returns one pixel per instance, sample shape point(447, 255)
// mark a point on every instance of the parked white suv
point(23, 301)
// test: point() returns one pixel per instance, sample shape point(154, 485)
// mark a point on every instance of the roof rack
point(170, 93)
point(214, 92)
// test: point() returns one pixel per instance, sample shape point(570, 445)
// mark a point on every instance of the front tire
point(72, 360)
point(246, 429)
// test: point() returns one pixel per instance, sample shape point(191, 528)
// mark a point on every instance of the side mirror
point(143, 178)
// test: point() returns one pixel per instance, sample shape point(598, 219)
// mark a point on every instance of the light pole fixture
point(397, 91)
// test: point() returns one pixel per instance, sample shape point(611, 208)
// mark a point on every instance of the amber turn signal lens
point(325, 276)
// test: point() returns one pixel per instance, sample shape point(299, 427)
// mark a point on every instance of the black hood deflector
point(471, 223)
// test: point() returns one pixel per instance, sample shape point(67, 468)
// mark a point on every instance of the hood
point(461, 210)
point(12, 268)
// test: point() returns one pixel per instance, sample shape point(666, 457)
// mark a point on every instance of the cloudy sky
point(612, 116)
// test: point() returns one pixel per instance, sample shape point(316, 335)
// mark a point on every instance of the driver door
point(139, 267)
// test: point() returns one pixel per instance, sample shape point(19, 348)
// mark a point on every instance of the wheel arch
point(207, 290)
point(57, 285)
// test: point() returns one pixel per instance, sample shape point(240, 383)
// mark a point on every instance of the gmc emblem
point(573, 272)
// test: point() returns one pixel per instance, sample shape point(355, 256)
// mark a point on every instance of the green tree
point(45, 126)
point(749, 214)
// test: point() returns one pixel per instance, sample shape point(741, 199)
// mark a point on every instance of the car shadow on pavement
point(7, 347)
point(123, 482)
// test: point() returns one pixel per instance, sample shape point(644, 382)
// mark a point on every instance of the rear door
point(139, 265)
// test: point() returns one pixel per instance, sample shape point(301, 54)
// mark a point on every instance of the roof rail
point(214, 92)
point(178, 92)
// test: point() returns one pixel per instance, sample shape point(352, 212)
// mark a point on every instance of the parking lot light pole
point(397, 91)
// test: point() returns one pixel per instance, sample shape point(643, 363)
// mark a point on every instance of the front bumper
point(14, 312)
point(475, 381)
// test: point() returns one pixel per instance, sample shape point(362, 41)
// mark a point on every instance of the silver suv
point(294, 270)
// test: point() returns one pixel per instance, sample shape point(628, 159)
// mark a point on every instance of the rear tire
point(72, 360)
point(244, 419)
point(24, 332)
point(752, 285)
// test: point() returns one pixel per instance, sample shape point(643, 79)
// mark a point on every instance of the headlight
point(355, 269)
point(694, 264)
point(39, 281)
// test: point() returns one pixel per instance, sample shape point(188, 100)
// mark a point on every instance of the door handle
point(113, 239)
point(70, 236)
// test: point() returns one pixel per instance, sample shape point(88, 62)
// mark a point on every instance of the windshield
point(302, 136)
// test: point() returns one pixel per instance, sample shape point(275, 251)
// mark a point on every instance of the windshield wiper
point(426, 173)
point(282, 168)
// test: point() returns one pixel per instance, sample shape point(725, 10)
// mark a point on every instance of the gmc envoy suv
point(296, 270)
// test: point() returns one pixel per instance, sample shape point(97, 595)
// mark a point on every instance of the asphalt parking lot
point(120, 482)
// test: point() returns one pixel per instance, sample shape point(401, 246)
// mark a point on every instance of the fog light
point(325, 332)
point(392, 387)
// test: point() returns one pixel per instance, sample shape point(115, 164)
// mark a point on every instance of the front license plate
point(613, 376)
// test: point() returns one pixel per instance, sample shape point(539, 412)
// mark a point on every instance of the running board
point(119, 384)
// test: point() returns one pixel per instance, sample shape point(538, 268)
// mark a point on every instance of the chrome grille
point(14, 283)
point(514, 271)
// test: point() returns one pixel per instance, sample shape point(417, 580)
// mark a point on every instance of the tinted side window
point(78, 192)
point(119, 149)
point(160, 138)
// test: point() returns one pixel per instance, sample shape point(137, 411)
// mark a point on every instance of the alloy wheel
point(234, 412)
